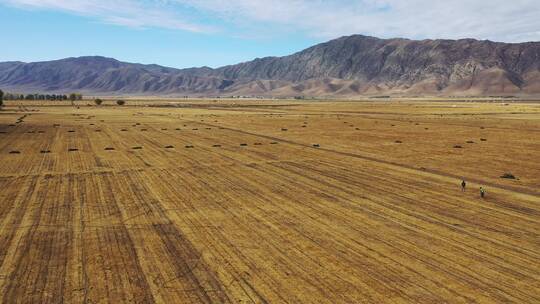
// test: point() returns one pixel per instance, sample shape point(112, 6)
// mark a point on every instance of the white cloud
point(132, 13)
point(503, 20)
point(516, 20)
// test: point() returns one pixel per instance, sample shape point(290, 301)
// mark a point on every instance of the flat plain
point(263, 201)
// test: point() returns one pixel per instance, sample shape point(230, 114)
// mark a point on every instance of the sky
point(192, 33)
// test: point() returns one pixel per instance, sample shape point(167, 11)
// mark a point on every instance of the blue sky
point(186, 33)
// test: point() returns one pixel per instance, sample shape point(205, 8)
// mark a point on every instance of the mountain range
point(345, 67)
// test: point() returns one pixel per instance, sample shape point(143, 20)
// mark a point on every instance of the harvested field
point(243, 212)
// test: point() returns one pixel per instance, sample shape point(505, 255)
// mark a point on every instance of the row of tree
point(72, 97)
point(15, 96)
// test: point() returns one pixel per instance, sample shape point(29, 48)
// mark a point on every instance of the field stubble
point(270, 202)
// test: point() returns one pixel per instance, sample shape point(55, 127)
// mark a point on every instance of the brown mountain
point(348, 66)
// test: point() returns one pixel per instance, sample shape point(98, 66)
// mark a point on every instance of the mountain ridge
point(347, 66)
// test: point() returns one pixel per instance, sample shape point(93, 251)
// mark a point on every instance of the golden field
point(230, 201)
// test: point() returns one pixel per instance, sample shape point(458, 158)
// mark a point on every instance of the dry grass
point(354, 218)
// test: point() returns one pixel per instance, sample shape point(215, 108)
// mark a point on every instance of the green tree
point(1, 98)
point(120, 102)
point(98, 101)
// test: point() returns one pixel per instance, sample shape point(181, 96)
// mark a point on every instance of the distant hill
point(345, 67)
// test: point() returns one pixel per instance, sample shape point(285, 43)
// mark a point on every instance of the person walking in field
point(482, 192)
point(463, 185)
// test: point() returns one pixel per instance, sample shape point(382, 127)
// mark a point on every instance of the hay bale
point(316, 146)
point(470, 142)
point(216, 146)
point(14, 152)
point(109, 149)
point(483, 139)
point(284, 129)
point(189, 147)
point(169, 147)
point(457, 147)
point(274, 143)
point(243, 145)
point(137, 148)
point(45, 151)
point(398, 141)
point(508, 175)
point(73, 149)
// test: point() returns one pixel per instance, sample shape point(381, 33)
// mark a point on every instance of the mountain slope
point(100, 75)
point(348, 66)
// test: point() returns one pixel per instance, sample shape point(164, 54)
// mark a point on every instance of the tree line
point(38, 96)
point(73, 97)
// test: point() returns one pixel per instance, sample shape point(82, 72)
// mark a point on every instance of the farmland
point(203, 201)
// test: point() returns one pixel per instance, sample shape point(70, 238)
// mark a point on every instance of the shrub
point(120, 102)
point(98, 101)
